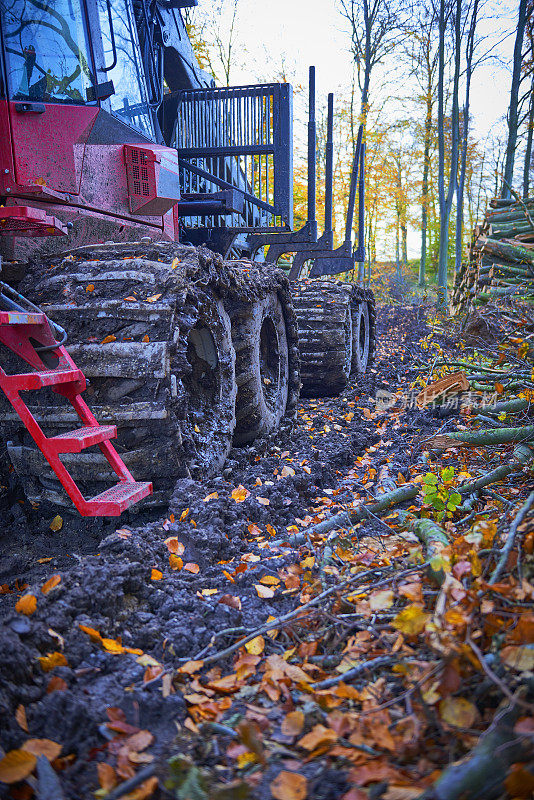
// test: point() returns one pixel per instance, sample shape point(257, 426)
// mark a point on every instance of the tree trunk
point(513, 122)
point(460, 196)
point(426, 168)
point(445, 201)
point(528, 147)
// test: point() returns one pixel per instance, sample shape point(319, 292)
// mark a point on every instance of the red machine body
point(51, 163)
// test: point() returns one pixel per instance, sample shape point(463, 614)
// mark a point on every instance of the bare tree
point(374, 28)
point(445, 200)
point(470, 48)
point(513, 116)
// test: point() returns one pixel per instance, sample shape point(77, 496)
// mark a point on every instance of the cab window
point(129, 102)
point(46, 50)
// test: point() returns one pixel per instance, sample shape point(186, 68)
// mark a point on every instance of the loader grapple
point(28, 334)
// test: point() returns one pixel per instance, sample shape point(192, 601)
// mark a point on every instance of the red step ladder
point(23, 332)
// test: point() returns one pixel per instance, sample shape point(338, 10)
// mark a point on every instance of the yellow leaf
point(293, 723)
point(56, 524)
point(16, 765)
point(256, 646)
point(269, 580)
point(52, 660)
point(50, 584)
point(174, 263)
point(26, 604)
point(153, 298)
point(175, 562)
point(263, 591)
point(240, 493)
point(214, 496)
point(458, 711)
point(411, 620)
point(108, 339)
point(156, 575)
point(42, 747)
point(520, 658)
point(289, 786)
point(381, 600)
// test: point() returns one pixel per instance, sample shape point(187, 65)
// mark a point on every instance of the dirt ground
point(116, 577)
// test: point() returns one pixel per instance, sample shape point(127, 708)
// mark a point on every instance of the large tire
point(150, 326)
point(324, 317)
point(369, 298)
point(262, 368)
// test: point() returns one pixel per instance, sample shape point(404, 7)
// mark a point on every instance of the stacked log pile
point(500, 259)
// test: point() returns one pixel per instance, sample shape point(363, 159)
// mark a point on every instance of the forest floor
point(232, 649)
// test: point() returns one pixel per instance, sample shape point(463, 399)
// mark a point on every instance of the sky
point(300, 33)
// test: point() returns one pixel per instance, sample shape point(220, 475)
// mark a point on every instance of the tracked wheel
point(337, 323)
point(262, 368)
point(324, 317)
point(150, 326)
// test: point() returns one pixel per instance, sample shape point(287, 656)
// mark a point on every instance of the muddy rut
point(117, 578)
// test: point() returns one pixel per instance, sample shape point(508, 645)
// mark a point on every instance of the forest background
point(443, 87)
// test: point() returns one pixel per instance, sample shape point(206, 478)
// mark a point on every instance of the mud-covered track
point(153, 326)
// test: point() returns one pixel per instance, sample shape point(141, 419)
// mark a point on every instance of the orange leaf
point(175, 562)
point(144, 791)
point(26, 604)
point(107, 777)
point(51, 583)
point(91, 632)
point(145, 338)
point(131, 299)
point(42, 747)
point(112, 646)
point(230, 600)
point(190, 567)
point(108, 339)
point(16, 765)
point(499, 388)
point(56, 684)
point(156, 575)
point(254, 530)
point(153, 298)
point(293, 723)
point(263, 591)
point(319, 735)
point(212, 496)
point(289, 786)
point(190, 667)
point(20, 716)
point(174, 546)
point(90, 288)
point(52, 660)
point(240, 493)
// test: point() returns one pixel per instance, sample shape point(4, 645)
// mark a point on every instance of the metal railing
point(238, 137)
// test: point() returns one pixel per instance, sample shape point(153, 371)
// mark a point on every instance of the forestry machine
point(142, 209)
